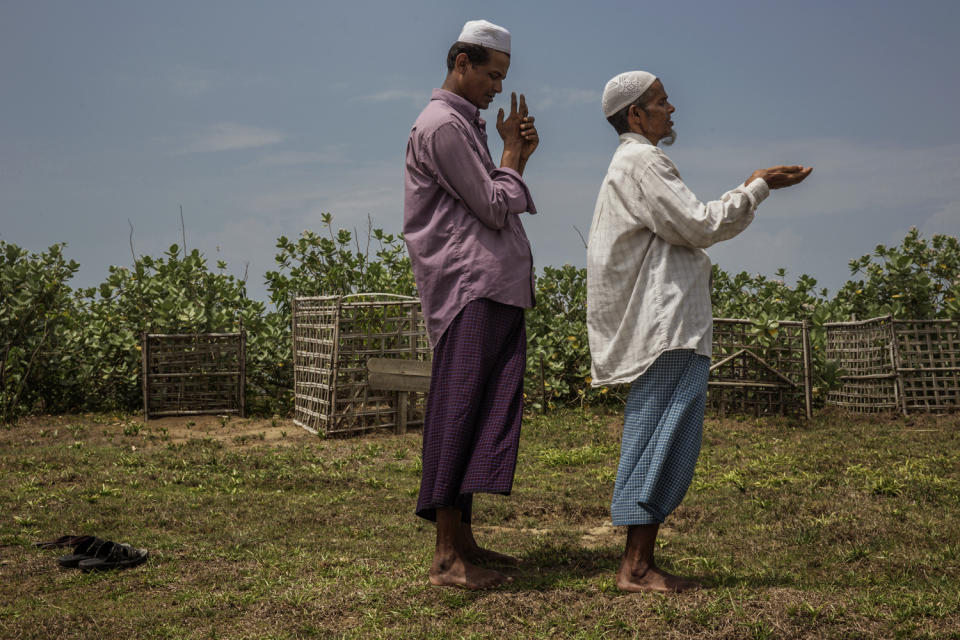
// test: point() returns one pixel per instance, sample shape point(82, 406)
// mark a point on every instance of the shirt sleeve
point(670, 210)
point(489, 195)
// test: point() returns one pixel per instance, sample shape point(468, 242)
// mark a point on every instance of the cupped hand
point(782, 175)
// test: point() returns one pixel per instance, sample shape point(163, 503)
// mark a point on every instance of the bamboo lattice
point(333, 336)
point(760, 372)
point(906, 365)
point(929, 364)
point(190, 374)
point(864, 351)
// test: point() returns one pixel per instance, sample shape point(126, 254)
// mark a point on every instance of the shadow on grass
point(558, 565)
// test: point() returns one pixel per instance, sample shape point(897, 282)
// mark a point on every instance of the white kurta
point(648, 277)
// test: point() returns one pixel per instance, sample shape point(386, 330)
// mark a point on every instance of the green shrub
point(914, 280)
point(314, 265)
point(175, 293)
point(62, 350)
point(36, 315)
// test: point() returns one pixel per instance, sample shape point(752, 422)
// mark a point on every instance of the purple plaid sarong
point(471, 430)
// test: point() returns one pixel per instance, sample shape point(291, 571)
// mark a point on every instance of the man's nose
point(498, 86)
point(671, 108)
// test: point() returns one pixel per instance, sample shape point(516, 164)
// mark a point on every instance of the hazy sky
point(256, 117)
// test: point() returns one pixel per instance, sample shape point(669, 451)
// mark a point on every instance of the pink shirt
point(463, 238)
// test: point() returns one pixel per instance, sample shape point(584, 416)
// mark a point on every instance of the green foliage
point(558, 354)
point(914, 280)
point(767, 302)
point(36, 313)
point(61, 350)
point(175, 293)
point(314, 265)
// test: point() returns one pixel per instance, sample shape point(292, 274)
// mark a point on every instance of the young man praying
point(474, 273)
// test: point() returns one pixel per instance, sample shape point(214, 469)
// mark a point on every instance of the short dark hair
point(619, 119)
point(476, 54)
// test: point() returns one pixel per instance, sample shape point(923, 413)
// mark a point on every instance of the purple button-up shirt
point(463, 239)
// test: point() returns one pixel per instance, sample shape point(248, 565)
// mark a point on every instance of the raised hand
point(527, 130)
point(520, 137)
point(509, 128)
point(782, 175)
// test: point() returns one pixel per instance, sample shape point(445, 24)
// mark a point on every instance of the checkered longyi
point(663, 425)
point(471, 430)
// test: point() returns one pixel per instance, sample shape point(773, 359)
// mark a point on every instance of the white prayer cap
point(623, 89)
point(487, 34)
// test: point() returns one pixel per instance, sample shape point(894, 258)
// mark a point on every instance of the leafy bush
point(175, 293)
point(314, 265)
point(914, 280)
point(35, 318)
point(62, 350)
point(558, 355)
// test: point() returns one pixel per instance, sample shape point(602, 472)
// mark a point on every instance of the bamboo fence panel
point(864, 351)
point(753, 372)
point(192, 374)
point(905, 365)
point(333, 336)
point(929, 364)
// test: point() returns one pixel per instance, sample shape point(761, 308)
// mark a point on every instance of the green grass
point(842, 528)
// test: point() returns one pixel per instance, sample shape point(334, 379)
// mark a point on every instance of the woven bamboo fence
point(889, 365)
point(192, 374)
point(333, 336)
point(754, 372)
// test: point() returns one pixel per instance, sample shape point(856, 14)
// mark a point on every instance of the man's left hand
point(527, 130)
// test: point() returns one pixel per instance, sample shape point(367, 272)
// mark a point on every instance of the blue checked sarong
point(471, 430)
point(663, 424)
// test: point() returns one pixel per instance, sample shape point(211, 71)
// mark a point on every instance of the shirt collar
point(636, 137)
point(466, 108)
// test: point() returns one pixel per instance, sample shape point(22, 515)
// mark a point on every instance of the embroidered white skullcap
point(487, 34)
point(623, 89)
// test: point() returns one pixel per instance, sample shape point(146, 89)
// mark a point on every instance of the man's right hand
point(781, 176)
point(509, 128)
point(513, 130)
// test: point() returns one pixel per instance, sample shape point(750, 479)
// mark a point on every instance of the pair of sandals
point(95, 554)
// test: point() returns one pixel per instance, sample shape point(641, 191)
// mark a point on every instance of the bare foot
point(460, 573)
point(488, 556)
point(475, 553)
point(652, 579)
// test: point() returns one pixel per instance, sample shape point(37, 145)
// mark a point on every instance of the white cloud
point(548, 97)
point(190, 81)
point(294, 158)
point(945, 221)
point(227, 136)
point(847, 177)
point(350, 195)
point(416, 96)
point(764, 252)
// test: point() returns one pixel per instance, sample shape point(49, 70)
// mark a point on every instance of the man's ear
point(460, 62)
point(637, 115)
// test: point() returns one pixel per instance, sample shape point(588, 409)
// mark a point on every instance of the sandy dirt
point(231, 430)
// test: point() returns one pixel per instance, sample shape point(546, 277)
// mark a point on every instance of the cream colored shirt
point(648, 277)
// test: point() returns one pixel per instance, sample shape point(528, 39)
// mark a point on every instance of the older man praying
point(474, 272)
point(649, 316)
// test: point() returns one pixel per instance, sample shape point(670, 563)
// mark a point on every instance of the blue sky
point(256, 117)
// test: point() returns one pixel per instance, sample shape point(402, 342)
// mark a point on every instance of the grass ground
point(842, 528)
